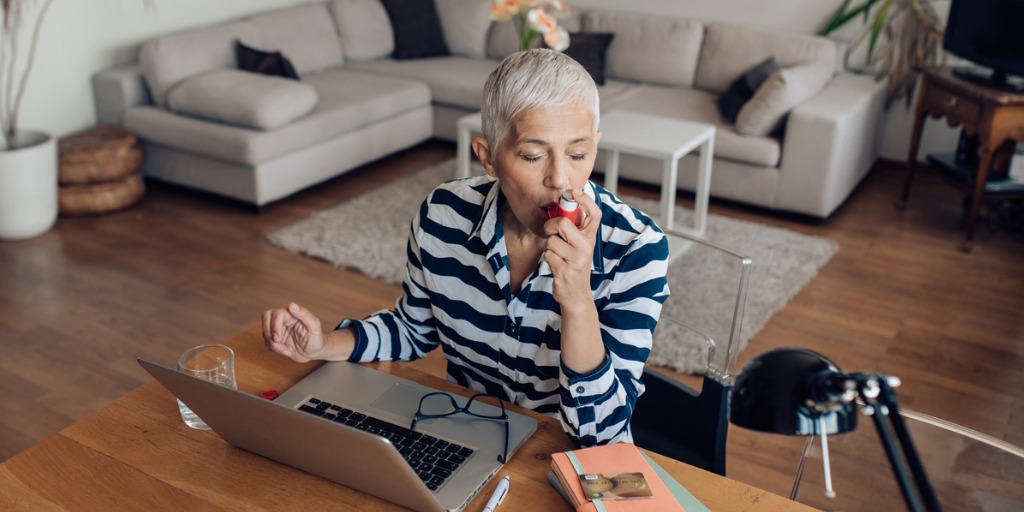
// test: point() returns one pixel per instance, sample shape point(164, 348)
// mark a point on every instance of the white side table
point(667, 140)
point(467, 126)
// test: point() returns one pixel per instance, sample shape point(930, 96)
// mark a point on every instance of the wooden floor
point(80, 303)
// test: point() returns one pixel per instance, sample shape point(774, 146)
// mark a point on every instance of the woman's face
point(545, 151)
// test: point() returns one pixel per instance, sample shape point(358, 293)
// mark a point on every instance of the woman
point(547, 314)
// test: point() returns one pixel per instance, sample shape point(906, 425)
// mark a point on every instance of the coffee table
point(646, 135)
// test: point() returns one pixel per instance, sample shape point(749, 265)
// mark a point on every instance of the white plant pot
point(28, 186)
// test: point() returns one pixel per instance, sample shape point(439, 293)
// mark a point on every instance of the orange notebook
point(611, 459)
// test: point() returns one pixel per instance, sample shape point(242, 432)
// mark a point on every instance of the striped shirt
point(457, 295)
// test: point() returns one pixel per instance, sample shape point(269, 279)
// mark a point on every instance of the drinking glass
point(215, 363)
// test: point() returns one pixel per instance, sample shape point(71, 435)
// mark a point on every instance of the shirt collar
point(486, 226)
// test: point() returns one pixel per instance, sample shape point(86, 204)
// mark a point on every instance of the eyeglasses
point(440, 405)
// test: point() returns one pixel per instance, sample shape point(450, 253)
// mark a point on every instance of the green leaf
point(877, 26)
point(842, 16)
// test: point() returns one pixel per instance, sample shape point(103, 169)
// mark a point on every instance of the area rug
point(356, 235)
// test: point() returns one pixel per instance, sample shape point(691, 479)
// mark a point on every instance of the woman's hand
point(293, 332)
point(570, 253)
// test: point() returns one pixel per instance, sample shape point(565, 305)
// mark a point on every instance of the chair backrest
point(709, 296)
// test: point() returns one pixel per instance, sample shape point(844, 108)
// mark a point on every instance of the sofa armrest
point(830, 144)
point(115, 90)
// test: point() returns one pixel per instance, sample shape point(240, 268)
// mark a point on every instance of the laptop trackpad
point(401, 399)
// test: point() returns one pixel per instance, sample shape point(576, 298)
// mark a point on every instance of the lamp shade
point(787, 391)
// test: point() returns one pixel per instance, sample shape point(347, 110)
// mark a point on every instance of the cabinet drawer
point(952, 106)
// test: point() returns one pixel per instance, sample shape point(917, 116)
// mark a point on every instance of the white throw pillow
point(244, 98)
point(364, 28)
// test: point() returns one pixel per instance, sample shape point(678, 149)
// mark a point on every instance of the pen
point(498, 496)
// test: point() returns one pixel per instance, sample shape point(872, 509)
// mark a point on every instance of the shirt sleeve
point(406, 332)
point(596, 407)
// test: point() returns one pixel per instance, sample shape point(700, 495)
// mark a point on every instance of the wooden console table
point(995, 116)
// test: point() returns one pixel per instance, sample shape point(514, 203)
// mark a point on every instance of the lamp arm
point(880, 399)
point(924, 487)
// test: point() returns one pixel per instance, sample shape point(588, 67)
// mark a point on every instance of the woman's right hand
point(293, 332)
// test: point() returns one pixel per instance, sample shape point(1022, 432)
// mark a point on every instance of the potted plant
point(902, 36)
point(28, 159)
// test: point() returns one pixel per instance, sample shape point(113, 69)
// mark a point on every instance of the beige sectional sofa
point(801, 144)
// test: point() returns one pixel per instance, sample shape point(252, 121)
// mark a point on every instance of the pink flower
point(557, 39)
point(541, 21)
point(532, 17)
point(503, 10)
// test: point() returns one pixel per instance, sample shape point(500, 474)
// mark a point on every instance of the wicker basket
point(99, 154)
point(100, 197)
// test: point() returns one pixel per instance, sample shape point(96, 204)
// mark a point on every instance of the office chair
point(670, 417)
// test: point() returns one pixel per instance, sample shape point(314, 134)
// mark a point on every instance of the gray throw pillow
point(743, 88)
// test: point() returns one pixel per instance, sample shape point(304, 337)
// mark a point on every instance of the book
point(667, 493)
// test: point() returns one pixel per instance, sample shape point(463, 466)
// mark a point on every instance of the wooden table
point(137, 454)
point(994, 115)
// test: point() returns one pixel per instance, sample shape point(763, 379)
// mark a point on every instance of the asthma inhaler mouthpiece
point(567, 207)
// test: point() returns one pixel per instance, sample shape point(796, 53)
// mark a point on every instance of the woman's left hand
point(570, 253)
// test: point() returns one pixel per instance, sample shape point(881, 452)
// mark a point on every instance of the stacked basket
point(99, 171)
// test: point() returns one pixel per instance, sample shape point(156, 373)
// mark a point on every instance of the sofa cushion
point(254, 60)
point(591, 51)
point(730, 50)
point(698, 106)
point(169, 59)
point(740, 92)
point(244, 98)
point(649, 49)
point(305, 34)
point(783, 91)
point(465, 24)
point(417, 29)
point(364, 29)
point(453, 81)
point(348, 101)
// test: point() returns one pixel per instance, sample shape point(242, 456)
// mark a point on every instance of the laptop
point(371, 455)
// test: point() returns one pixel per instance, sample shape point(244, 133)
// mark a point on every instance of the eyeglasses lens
point(437, 405)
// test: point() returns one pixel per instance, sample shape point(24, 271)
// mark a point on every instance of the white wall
point(81, 37)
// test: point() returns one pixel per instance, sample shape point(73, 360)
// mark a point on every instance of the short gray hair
point(538, 78)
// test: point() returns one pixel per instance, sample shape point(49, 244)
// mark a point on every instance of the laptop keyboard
point(433, 459)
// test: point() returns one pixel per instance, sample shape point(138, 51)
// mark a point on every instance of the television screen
point(989, 33)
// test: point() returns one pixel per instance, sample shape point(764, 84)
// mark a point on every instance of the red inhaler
point(567, 207)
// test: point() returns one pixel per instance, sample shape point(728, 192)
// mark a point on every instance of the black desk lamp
point(794, 391)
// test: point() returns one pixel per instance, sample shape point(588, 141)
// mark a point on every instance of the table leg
point(463, 151)
point(915, 145)
point(611, 172)
point(980, 179)
point(700, 208)
point(668, 192)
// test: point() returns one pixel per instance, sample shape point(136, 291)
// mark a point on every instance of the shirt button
point(579, 389)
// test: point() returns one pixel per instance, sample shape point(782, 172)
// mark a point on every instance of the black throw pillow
point(248, 58)
point(417, 29)
point(590, 49)
point(740, 92)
